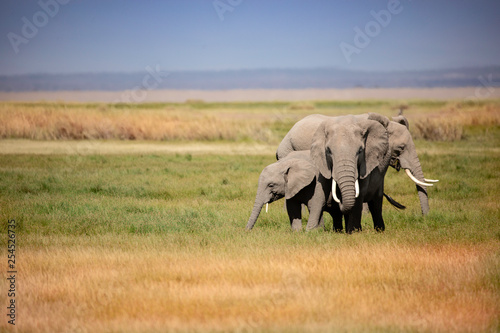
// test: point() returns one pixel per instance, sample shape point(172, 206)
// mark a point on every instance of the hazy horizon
point(155, 78)
point(340, 69)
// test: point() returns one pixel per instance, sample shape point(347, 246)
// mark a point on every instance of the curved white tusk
point(431, 180)
point(267, 206)
point(412, 177)
point(356, 186)
point(334, 191)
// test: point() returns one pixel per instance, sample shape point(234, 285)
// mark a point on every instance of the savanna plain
point(114, 236)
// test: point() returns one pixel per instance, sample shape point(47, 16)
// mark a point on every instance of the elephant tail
point(394, 202)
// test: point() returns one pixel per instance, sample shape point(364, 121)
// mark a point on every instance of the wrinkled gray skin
point(296, 178)
point(353, 149)
point(401, 146)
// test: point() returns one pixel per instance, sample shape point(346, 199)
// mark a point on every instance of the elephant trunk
point(411, 163)
point(346, 179)
point(257, 207)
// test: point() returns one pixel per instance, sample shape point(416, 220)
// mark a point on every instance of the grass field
point(142, 240)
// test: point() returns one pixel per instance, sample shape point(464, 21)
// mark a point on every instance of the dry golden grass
point(438, 129)
point(47, 121)
point(195, 120)
point(146, 287)
point(448, 124)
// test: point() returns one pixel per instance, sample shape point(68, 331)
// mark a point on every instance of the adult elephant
point(402, 150)
point(404, 156)
point(354, 153)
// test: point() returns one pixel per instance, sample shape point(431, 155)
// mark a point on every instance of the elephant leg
point(316, 203)
point(294, 210)
point(353, 219)
point(315, 216)
point(375, 206)
point(337, 219)
point(322, 222)
point(337, 224)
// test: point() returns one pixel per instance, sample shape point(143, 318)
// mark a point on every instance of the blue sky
point(126, 36)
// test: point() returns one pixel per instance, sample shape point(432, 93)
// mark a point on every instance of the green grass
point(202, 194)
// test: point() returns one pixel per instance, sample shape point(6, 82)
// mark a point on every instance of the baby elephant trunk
point(257, 207)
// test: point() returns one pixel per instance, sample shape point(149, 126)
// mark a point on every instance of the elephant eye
point(328, 150)
point(360, 150)
point(271, 185)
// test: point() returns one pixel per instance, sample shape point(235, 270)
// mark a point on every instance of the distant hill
point(322, 78)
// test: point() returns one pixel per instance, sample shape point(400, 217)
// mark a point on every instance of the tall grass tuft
point(450, 123)
point(197, 120)
point(56, 122)
point(438, 130)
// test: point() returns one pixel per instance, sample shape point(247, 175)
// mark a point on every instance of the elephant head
point(346, 150)
point(404, 155)
point(284, 178)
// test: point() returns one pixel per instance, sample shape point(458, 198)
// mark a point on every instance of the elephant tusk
point(431, 180)
point(267, 206)
point(356, 186)
point(412, 177)
point(334, 191)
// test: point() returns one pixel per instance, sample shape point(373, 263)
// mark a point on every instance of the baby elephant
point(296, 178)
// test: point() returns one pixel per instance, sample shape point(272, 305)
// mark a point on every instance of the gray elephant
point(402, 150)
point(296, 178)
point(404, 156)
point(354, 153)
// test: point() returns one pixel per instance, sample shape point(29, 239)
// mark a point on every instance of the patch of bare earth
point(180, 96)
point(98, 147)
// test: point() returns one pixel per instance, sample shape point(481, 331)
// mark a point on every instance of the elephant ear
point(380, 118)
point(376, 146)
point(401, 120)
point(299, 174)
point(318, 154)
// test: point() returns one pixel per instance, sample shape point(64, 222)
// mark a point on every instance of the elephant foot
point(296, 225)
point(338, 226)
point(338, 230)
point(379, 226)
point(316, 229)
point(350, 231)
